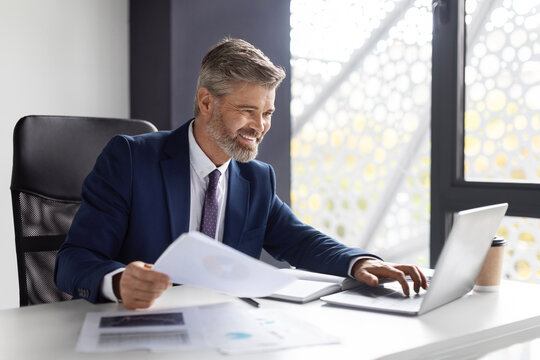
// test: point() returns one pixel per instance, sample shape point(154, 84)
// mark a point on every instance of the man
point(146, 190)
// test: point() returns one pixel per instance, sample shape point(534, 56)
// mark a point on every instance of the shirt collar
point(198, 159)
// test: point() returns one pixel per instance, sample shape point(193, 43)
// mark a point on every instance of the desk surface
point(469, 327)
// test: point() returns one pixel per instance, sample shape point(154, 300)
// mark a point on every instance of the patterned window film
point(502, 97)
point(361, 108)
point(361, 94)
point(502, 113)
point(522, 256)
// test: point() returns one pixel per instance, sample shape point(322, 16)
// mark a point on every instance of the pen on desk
point(250, 301)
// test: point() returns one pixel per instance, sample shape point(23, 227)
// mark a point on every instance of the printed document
point(226, 327)
point(196, 259)
point(234, 330)
point(175, 329)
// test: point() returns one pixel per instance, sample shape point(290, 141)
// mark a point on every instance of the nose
point(259, 123)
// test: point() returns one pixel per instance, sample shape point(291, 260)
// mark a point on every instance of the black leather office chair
point(52, 155)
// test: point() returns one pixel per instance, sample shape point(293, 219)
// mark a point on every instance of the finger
point(417, 279)
point(155, 281)
point(130, 283)
point(403, 281)
point(132, 287)
point(374, 269)
point(144, 294)
point(386, 270)
point(140, 298)
point(142, 272)
point(414, 273)
point(365, 277)
point(424, 280)
point(399, 276)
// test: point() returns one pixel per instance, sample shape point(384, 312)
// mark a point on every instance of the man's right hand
point(138, 286)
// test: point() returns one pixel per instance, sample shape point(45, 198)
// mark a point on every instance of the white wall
point(57, 57)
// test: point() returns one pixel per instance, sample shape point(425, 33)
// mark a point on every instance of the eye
point(268, 114)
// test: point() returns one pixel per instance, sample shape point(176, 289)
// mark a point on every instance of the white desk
point(469, 327)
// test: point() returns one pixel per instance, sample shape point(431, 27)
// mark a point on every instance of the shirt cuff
point(354, 260)
point(107, 285)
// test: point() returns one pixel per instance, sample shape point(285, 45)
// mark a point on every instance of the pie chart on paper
point(238, 335)
point(197, 260)
point(224, 267)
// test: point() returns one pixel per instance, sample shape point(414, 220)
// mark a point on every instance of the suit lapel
point(237, 206)
point(175, 171)
point(176, 178)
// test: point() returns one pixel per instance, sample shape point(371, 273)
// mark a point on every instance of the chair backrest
point(52, 155)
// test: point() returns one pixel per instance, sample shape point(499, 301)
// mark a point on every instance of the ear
point(205, 101)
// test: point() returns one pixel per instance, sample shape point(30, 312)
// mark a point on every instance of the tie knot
point(213, 178)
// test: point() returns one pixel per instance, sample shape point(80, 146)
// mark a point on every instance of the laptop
point(455, 274)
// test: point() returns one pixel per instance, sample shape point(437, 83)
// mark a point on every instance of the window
point(362, 149)
point(485, 119)
point(502, 91)
point(361, 95)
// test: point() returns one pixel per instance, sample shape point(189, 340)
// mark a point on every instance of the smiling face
point(233, 125)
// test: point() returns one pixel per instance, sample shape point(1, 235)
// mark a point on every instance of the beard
point(228, 142)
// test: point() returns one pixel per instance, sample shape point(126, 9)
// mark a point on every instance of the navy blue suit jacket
point(136, 201)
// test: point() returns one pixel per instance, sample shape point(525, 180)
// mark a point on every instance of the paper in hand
point(196, 259)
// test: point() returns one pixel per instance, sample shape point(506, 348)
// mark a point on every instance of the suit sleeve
point(99, 227)
point(287, 238)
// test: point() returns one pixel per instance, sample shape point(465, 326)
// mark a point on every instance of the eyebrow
point(247, 106)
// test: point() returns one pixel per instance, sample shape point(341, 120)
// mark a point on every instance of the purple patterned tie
point(210, 208)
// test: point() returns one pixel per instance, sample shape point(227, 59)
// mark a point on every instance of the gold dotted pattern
point(345, 157)
point(502, 95)
point(522, 255)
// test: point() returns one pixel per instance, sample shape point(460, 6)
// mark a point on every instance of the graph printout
point(237, 331)
point(174, 329)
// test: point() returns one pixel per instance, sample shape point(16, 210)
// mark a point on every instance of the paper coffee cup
point(489, 278)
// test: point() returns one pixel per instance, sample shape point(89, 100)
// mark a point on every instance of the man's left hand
point(369, 271)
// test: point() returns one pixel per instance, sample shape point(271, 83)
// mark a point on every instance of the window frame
point(449, 191)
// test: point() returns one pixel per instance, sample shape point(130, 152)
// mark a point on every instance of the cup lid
point(498, 241)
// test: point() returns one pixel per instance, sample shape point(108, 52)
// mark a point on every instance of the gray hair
point(234, 60)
